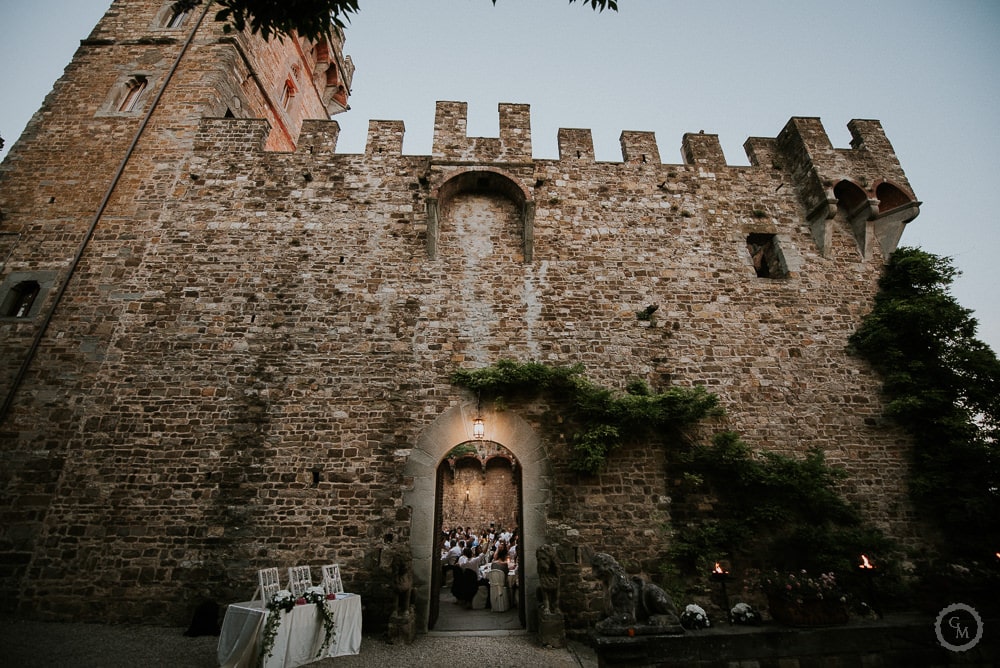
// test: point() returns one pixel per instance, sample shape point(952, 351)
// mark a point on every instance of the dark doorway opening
point(478, 499)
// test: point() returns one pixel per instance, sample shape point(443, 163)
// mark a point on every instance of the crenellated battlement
point(801, 141)
point(863, 184)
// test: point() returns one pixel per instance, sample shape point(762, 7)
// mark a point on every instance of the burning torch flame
point(865, 563)
point(718, 568)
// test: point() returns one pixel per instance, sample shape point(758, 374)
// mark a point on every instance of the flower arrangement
point(800, 599)
point(283, 601)
point(744, 614)
point(694, 617)
point(800, 587)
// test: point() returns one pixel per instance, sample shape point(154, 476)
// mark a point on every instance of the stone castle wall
point(254, 341)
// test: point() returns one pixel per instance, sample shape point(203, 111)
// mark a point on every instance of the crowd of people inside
point(467, 557)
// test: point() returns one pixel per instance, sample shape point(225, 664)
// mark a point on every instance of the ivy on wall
point(599, 419)
point(766, 508)
point(769, 510)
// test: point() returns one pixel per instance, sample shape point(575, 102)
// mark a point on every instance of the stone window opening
point(177, 18)
point(287, 93)
point(20, 299)
point(766, 255)
point(136, 85)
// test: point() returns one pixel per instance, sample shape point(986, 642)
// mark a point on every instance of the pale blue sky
point(930, 71)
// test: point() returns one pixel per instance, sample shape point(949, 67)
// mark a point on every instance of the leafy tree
point(943, 387)
point(309, 18)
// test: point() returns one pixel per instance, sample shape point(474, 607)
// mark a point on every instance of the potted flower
point(744, 614)
point(694, 617)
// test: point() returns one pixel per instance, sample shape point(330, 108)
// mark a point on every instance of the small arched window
point(890, 197)
point(20, 299)
point(136, 86)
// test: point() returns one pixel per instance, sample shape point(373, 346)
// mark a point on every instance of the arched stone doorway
point(478, 489)
point(449, 430)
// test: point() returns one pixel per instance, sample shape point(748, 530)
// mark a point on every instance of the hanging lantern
point(478, 429)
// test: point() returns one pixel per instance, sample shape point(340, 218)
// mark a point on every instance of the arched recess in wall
point(480, 486)
point(896, 208)
point(858, 210)
point(453, 428)
point(481, 180)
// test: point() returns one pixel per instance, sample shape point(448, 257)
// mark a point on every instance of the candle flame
point(865, 563)
point(718, 568)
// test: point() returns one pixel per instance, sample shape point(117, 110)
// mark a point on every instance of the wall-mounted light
point(478, 429)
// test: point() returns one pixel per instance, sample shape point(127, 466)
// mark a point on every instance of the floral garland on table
point(319, 596)
point(283, 601)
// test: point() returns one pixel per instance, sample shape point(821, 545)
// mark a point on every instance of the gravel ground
point(30, 644)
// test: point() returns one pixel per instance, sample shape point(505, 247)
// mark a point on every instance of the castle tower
point(83, 185)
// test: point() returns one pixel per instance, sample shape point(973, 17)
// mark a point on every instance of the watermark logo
point(958, 627)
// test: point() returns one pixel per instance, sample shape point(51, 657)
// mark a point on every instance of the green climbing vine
point(768, 509)
point(765, 508)
point(599, 419)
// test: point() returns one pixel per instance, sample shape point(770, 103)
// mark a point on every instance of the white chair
point(481, 597)
point(299, 579)
point(499, 591)
point(332, 584)
point(268, 584)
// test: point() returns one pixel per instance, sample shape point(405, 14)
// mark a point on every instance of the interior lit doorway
point(478, 491)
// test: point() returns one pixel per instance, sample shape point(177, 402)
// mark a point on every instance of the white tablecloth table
point(300, 634)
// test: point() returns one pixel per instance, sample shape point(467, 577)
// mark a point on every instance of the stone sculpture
point(551, 623)
point(402, 624)
point(401, 566)
point(548, 579)
point(633, 606)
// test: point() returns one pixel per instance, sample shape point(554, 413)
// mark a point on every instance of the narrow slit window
point(20, 299)
point(135, 88)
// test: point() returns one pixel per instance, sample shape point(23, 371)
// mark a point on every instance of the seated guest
point(471, 562)
point(467, 579)
point(501, 552)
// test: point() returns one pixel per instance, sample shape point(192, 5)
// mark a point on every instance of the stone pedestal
point(403, 627)
point(637, 648)
point(551, 629)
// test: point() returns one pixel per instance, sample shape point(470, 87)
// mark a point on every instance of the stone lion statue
point(401, 568)
point(631, 603)
point(548, 579)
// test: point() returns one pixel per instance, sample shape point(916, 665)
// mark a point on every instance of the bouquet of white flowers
point(694, 617)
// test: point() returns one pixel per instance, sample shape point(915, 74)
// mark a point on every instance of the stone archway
point(450, 429)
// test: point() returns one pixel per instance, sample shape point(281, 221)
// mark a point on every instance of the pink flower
point(300, 601)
